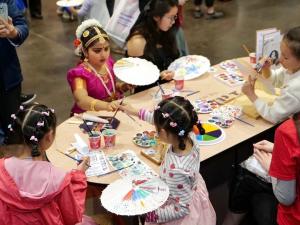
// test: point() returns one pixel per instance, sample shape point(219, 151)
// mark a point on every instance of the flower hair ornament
point(85, 25)
point(10, 127)
point(13, 116)
point(33, 138)
point(40, 123)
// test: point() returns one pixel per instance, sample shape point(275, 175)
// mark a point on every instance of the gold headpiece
point(99, 36)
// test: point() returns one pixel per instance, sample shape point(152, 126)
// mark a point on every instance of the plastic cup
point(167, 94)
point(252, 57)
point(179, 82)
point(109, 136)
point(95, 141)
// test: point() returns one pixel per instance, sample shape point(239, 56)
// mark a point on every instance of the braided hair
point(177, 116)
point(29, 126)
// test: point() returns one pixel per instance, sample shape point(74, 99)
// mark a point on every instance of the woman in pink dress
point(93, 81)
point(32, 191)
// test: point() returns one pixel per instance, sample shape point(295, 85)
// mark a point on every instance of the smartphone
point(3, 11)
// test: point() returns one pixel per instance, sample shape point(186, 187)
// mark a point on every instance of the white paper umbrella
point(69, 3)
point(136, 196)
point(136, 71)
point(190, 67)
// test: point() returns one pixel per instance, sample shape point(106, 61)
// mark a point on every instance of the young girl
point(32, 190)
point(153, 38)
point(287, 77)
point(93, 82)
point(188, 202)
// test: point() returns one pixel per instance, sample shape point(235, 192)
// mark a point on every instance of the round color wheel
point(213, 134)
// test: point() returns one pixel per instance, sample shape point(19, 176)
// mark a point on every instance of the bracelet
point(93, 104)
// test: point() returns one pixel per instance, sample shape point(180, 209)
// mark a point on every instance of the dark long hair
point(147, 26)
point(177, 116)
point(29, 126)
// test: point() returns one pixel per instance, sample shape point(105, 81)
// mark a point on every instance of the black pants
point(208, 3)
point(35, 7)
point(248, 193)
point(9, 104)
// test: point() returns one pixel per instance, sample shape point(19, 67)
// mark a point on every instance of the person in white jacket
point(287, 78)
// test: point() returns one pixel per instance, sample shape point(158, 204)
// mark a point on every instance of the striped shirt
point(179, 173)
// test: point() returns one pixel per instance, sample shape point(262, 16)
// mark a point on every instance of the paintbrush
point(88, 128)
point(117, 110)
point(243, 121)
point(246, 49)
point(194, 92)
point(161, 89)
point(113, 171)
point(71, 157)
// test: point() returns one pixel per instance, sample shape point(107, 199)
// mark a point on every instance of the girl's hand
point(129, 109)
point(264, 145)
point(112, 106)
point(182, 2)
point(264, 158)
point(7, 29)
point(248, 89)
point(167, 75)
point(84, 165)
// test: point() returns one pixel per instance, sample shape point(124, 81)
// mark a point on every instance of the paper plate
point(69, 3)
point(190, 66)
point(136, 71)
point(135, 196)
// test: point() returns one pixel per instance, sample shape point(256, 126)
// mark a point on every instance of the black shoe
point(26, 99)
point(214, 15)
point(37, 16)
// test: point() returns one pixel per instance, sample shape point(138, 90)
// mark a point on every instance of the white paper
point(98, 163)
point(259, 41)
point(80, 145)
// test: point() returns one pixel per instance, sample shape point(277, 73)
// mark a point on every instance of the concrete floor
point(47, 54)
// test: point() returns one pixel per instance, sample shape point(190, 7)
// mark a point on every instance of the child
point(188, 202)
point(32, 190)
point(93, 82)
point(287, 78)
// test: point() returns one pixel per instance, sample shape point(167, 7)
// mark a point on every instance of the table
point(216, 160)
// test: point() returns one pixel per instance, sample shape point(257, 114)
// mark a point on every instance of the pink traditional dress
point(98, 87)
point(37, 193)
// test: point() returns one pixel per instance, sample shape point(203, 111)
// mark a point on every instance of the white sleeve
point(278, 77)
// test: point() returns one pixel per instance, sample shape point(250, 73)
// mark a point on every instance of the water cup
point(179, 82)
point(167, 94)
point(109, 136)
point(95, 141)
point(252, 57)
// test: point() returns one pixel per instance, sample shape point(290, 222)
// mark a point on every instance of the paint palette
point(228, 65)
point(205, 106)
point(213, 134)
point(136, 196)
point(146, 139)
point(232, 78)
point(225, 115)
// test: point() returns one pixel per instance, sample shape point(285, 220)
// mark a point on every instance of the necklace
point(101, 79)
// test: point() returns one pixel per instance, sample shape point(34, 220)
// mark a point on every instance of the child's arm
point(71, 201)
point(84, 9)
point(181, 195)
point(143, 114)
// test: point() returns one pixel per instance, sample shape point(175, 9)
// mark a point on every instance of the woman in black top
point(152, 38)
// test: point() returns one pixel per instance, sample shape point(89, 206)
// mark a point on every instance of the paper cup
point(167, 94)
point(179, 82)
point(109, 136)
point(95, 141)
point(252, 57)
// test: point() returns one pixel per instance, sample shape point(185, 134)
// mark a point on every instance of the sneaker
point(214, 15)
point(197, 14)
point(27, 98)
point(66, 15)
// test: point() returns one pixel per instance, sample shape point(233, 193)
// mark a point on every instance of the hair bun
point(86, 24)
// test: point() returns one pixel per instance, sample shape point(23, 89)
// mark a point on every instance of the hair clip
point(173, 124)
point(13, 116)
point(10, 127)
point(181, 133)
point(45, 113)
point(21, 107)
point(52, 110)
point(40, 123)
point(165, 115)
point(156, 107)
point(33, 138)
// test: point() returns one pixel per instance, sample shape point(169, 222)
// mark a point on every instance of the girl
point(152, 37)
point(93, 82)
point(286, 78)
point(188, 202)
point(32, 190)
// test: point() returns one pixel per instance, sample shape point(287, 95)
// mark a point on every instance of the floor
point(47, 54)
